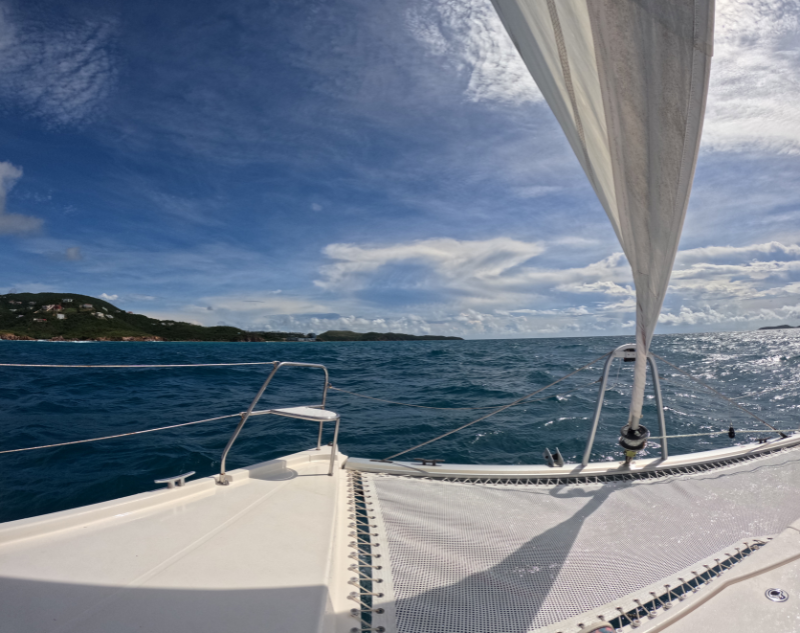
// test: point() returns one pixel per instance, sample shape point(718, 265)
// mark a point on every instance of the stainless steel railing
point(627, 352)
point(224, 479)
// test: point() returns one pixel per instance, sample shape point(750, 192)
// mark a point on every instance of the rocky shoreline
point(8, 336)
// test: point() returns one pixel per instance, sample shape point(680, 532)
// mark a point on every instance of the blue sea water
point(760, 370)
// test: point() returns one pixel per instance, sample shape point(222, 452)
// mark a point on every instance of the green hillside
point(24, 315)
point(70, 317)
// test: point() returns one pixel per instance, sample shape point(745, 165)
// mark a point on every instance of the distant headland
point(53, 316)
point(347, 335)
point(779, 327)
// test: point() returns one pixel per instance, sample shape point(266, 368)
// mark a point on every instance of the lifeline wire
point(496, 411)
point(669, 437)
point(173, 426)
point(420, 406)
point(724, 397)
point(270, 362)
point(111, 437)
point(502, 408)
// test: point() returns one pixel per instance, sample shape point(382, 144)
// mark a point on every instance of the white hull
point(273, 551)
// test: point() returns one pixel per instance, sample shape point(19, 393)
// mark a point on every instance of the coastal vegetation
point(73, 317)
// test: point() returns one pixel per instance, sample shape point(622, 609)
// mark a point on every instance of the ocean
point(759, 370)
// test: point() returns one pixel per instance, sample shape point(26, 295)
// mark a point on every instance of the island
point(347, 335)
point(778, 327)
point(52, 316)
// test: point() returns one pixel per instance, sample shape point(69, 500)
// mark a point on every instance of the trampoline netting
point(470, 557)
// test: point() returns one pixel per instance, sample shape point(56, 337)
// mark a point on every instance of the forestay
point(627, 81)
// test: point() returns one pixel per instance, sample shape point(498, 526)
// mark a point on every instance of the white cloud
point(754, 96)
point(14, 223)
point(74, 254)
point(534, 191)
point(604, 287)
point(468, 36)
point(108, 297)
point(256, 306)
point(60, 73)
point(489, 289)
point(467, 323)
point(316, 207)
point(626, 305)
point(716, 252)
point(458, 262)
point(492, 286)
point(706, 315)
point(573, 311)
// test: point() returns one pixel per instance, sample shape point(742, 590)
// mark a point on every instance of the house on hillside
point(87, 306)
point(100, 315)
point(52, 307)
point(109, 316)
point(40, 320)
point(67, 300)
point(61, 316)
point(15, 303)
point(31, 303)
point(104, 308)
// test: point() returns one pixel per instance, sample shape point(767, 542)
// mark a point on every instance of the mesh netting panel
point(482, 557)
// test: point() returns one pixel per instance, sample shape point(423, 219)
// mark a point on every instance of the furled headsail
point(627, 81)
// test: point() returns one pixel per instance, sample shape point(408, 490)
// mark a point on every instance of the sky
point(368, 165)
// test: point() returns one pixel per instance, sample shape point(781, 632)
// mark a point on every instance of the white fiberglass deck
point(252, 556)
point(274, 551)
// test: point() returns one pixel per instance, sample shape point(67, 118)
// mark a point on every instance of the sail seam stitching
point(565, 70)
point(682, 176)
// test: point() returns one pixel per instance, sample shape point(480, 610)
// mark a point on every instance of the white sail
point(627, 81)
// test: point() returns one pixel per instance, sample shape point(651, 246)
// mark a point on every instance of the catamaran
point(321, 542)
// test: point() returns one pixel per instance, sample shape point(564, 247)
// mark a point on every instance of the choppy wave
point(760, 370)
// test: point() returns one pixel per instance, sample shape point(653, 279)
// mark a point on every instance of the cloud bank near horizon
point(718, 287)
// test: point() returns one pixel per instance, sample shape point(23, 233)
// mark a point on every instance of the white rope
point(271, 362)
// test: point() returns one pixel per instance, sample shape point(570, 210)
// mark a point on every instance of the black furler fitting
point(731, 432)
point(634, 439)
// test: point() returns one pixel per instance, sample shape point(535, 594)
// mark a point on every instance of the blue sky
point(367, 165)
